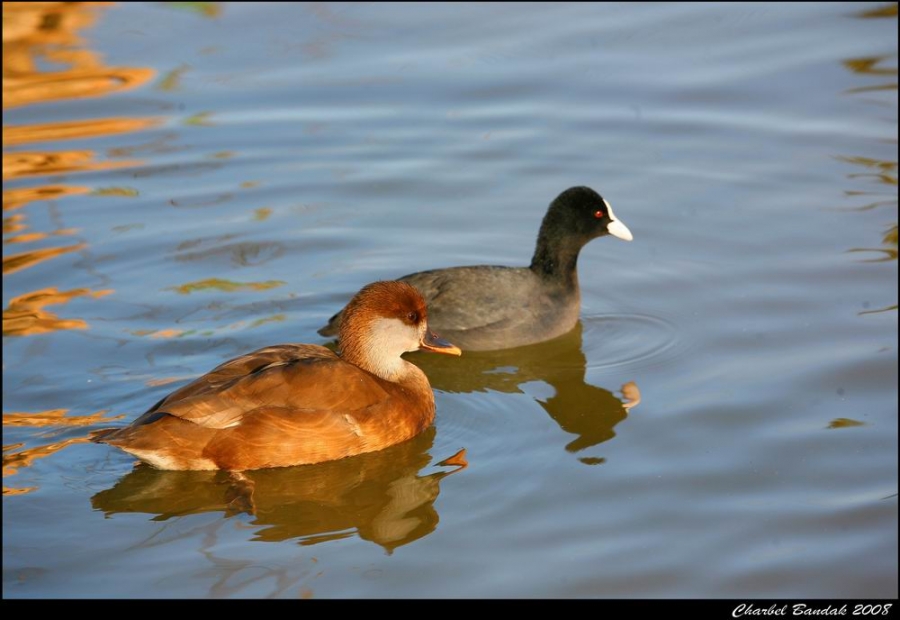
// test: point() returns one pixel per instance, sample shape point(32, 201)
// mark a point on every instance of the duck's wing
point(284, 377)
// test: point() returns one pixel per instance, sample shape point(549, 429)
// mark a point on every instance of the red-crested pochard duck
point(293, 404)
point(488, 307)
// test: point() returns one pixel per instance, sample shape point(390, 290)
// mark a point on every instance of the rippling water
point(185, 182)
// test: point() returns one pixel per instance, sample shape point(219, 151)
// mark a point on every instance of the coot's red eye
point(598, 214)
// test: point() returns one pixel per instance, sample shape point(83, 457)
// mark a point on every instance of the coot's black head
point(577, 215)
point(582, 213)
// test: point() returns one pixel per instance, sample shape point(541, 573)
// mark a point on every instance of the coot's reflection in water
point(383, 496)
point(584, 410)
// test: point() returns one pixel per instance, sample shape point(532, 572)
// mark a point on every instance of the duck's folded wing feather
point(284, 377)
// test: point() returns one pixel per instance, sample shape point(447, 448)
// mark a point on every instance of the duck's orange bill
point(431, 342)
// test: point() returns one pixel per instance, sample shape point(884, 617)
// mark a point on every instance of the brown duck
point(294, 404)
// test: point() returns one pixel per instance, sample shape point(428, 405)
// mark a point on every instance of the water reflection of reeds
point(872, 170)
point(45, 60)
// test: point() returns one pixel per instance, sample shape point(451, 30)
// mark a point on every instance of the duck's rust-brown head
point(383, 321)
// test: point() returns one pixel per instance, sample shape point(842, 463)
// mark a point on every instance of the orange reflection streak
point(13, 224)
point(23, 260)
point(55, 417)
point(37, 236)
point(29, 164)
point(46, 32)
point(19, 197)
point(15, 135)
point(25, 315)
point(13, 461)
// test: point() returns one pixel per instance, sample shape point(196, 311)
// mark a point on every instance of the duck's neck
point(379, 353)
point(556, 257)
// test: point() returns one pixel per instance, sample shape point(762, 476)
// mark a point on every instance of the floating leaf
point(128, 192)
point(275, 318)
point(205, 9)
point(172, 80)
point(200, 119)
point(227, 286)
point(845, 423)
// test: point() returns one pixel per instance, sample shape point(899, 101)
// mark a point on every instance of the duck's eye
point(599, 214)
point(412, 316)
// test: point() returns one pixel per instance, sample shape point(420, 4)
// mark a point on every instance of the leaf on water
point(262, 214)
point(845, 423)
point(128, 192)
point(227, 286)
point(205, 9)
point(172, 80)
point(275, 318)
point(885, 10)
point(200, 119)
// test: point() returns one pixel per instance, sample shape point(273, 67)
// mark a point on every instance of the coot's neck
point(556, 255)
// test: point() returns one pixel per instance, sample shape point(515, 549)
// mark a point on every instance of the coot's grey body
point(492, 307)
point(487, 307)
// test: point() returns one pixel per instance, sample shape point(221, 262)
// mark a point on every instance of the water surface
point(186, 182)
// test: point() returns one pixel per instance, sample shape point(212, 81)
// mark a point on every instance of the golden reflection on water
point(383, 497)
point(14, 458)
point(55, 417)
point(37, 33)
point(876, 171)
point(45, 60)
point(16, 198)
point(25, 315)
point(22, 164)
point(74, 130)
point(13, 461)
point(23, 260)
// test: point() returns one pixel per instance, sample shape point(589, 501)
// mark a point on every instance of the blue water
point(248, 167)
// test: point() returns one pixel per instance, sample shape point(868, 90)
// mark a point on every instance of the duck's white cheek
point(393, 337)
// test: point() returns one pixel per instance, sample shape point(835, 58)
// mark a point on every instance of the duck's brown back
point(278, 406)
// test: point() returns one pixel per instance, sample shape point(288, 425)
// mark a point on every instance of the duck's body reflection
point(584, 410)
point(381, 496)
